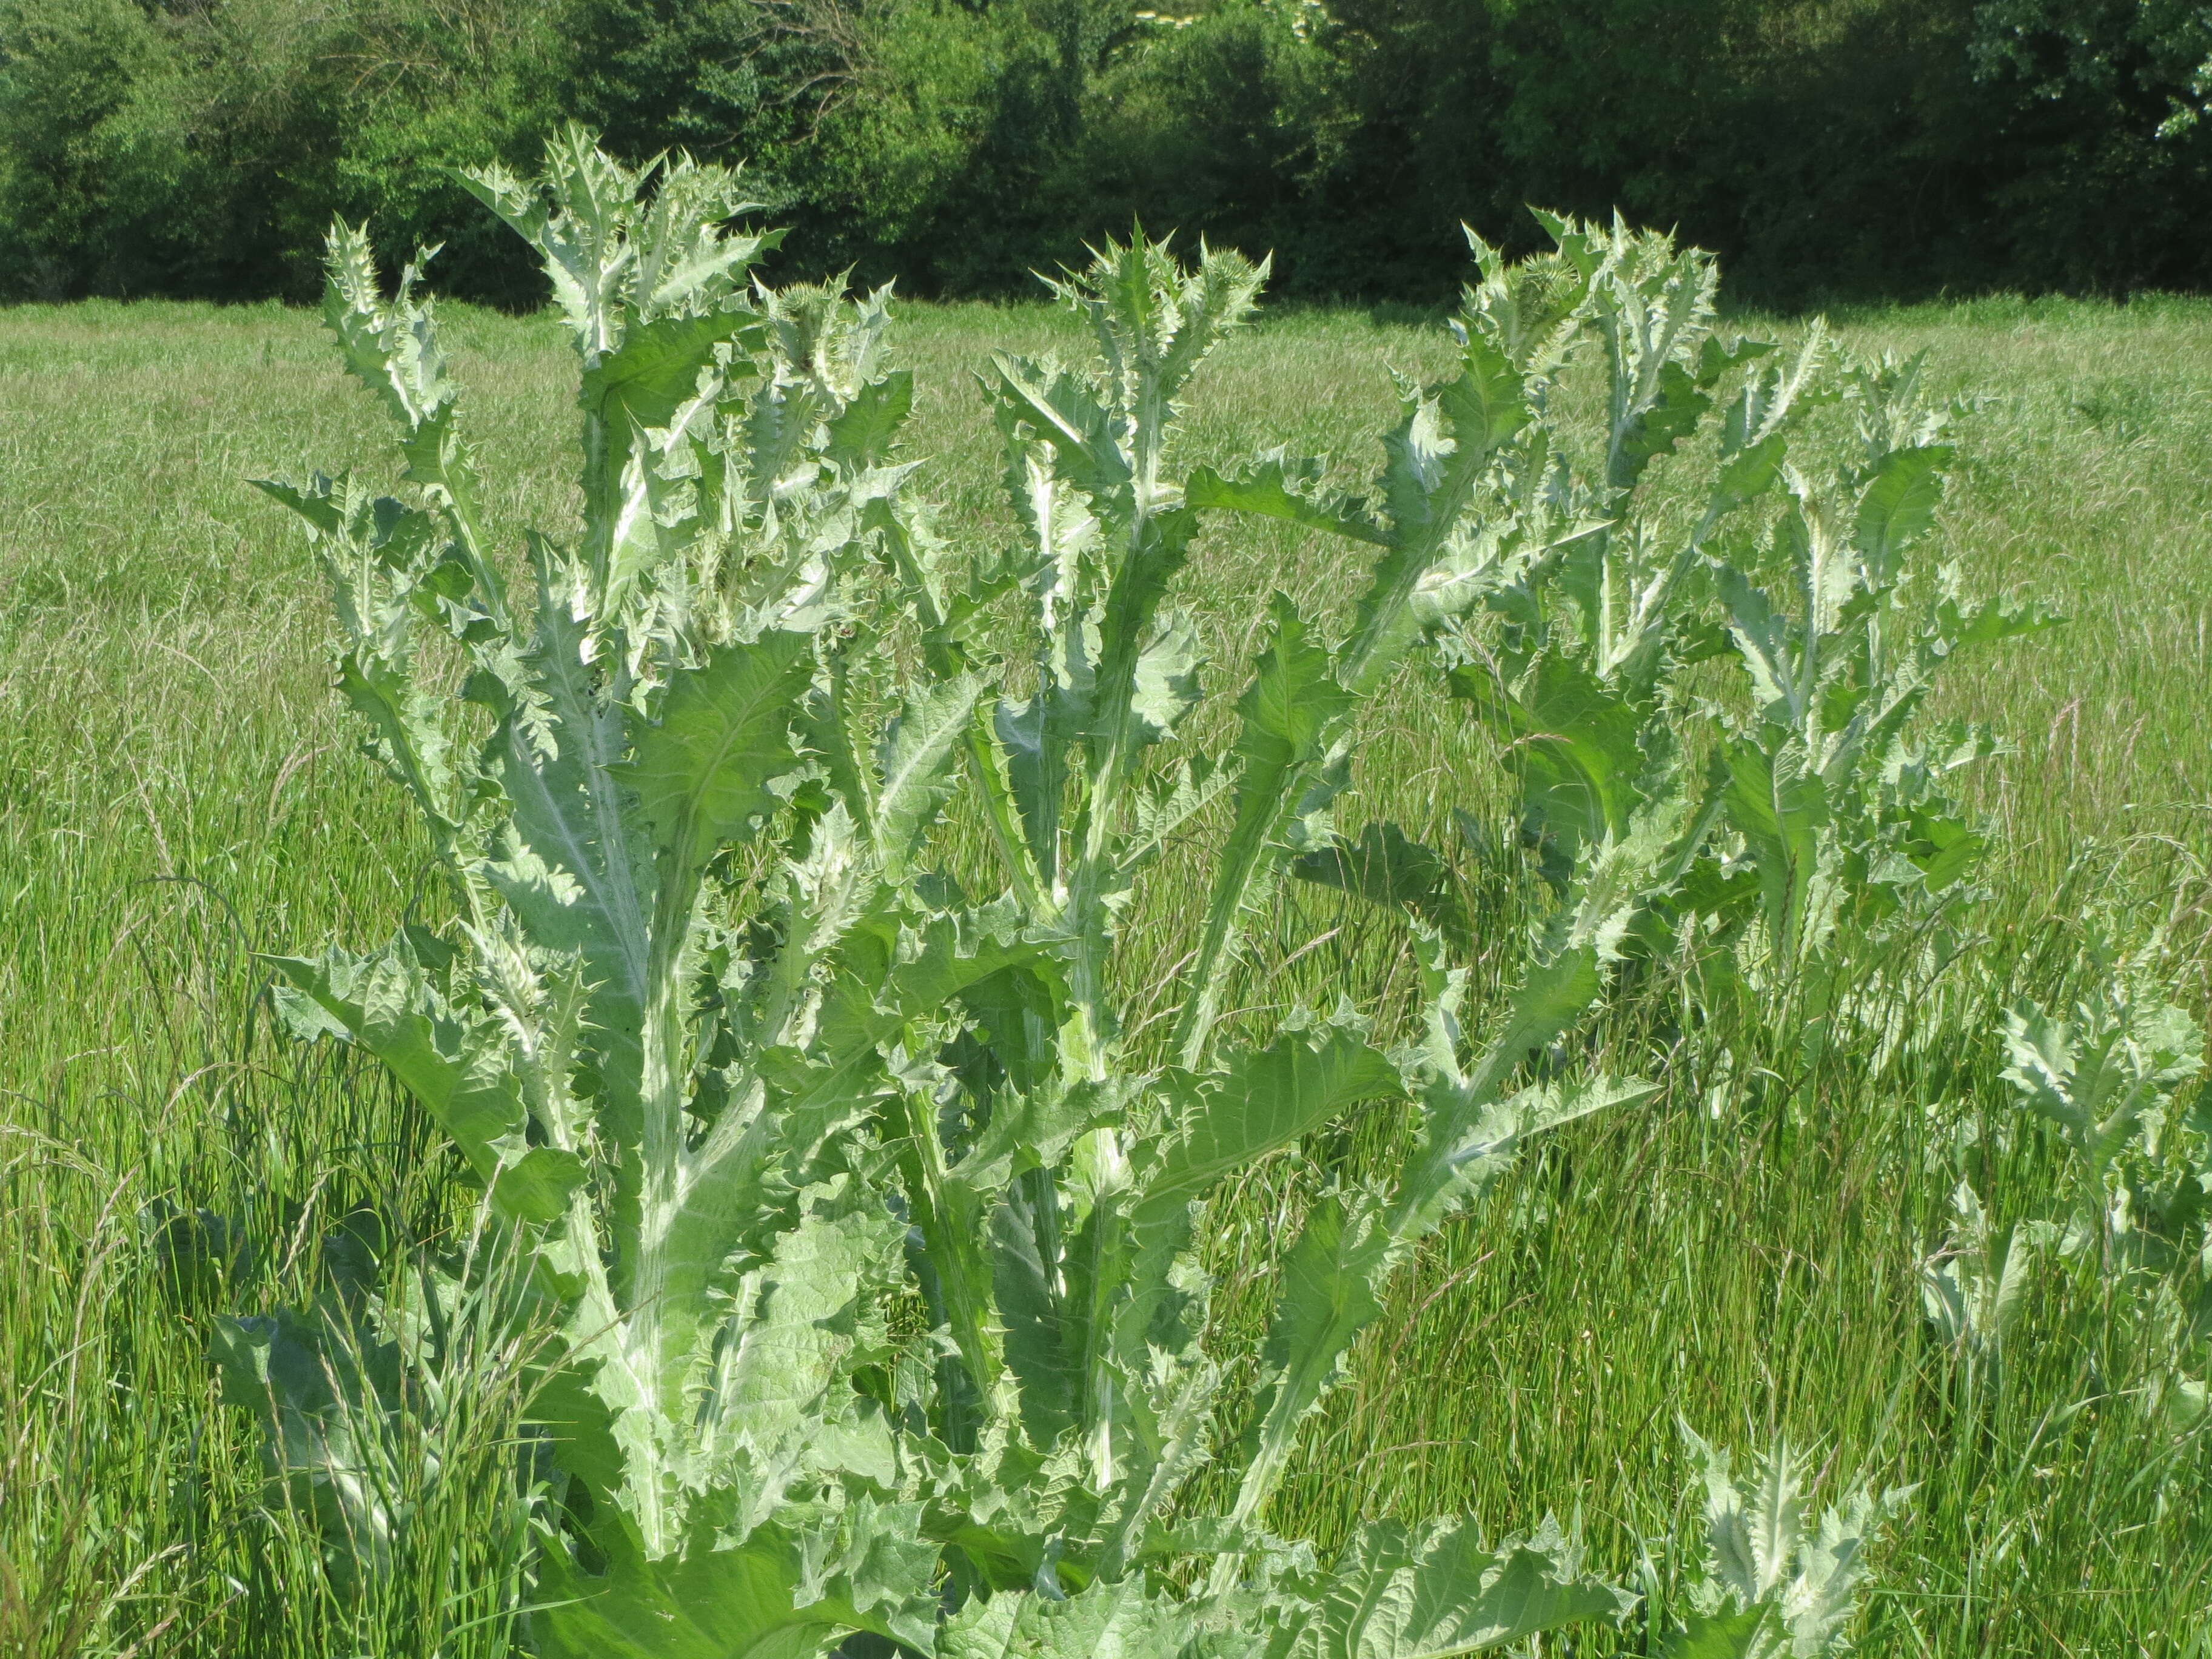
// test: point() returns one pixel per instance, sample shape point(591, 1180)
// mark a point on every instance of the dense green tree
point(1826, 147)
point(200, 146)
point(2110, 157)
point(92, 165)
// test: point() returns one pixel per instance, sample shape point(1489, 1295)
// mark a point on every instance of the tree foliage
point(1878, 146)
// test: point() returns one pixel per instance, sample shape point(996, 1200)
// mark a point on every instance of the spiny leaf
point(1262, 1100)
point(1404, 1593)
point(1067, 418)
point(702, 770)
point(1469, 1141)
point(396, 354)
point(384, 1004)
point(1781, 811)
point(1575, 743)
point(863, 434)
point(1899, 505)
point(1103, 1621)
point(917, 767)
point(1682, 403)
point(787, 1588)
point(1330, 1290)
point(1748, 1633)
point(1383, 867)
point(1289, 717)
point(1271, 491)
point(656, 368)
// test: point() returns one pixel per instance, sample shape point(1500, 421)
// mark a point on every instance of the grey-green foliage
point(1777, 1584)
point(1807, 797)
point(630, 1036)
point(2107, 1079)
point(744, 1076)
point(1052, 1184)
point(1833, 802)
point(1975, 1288)
point(1575, 606)
point(1576, 675)
point(1479, 509)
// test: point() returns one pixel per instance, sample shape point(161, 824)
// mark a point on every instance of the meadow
point(182, 791)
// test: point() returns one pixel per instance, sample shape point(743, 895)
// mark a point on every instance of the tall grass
point(182, 791)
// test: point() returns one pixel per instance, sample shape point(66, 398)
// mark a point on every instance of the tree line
point(1827, 148)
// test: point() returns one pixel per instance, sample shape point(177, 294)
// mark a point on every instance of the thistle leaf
point(1746, 1634)
point(1273, 490)
point(863, 436)
point(702, 771)
point(1262, 1100)
point(1898, 506)
point(1779, 807)
point(788, 1588)
point(1330, 1291)
point(918, 770)
point(1436, 1591)
point(385, 1003)
point(1385, 867)
point(1574, 744)
point(655, 371)
point(1289, 720)
point(1103, 1621)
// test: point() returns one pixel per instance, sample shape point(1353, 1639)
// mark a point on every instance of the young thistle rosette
point(735, 1068)
point(1776, 1583)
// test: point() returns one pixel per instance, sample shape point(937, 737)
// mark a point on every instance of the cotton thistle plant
point(2110, 1079)
point(1841, 859)
point(1577, 615)
point(633, 1036)
point(741, 1073)
point(1824, 865)
point(1975, 1287)
point(1576, 673)
point(1055, 1205)
point(1776, 1582)
point(2107, 1077)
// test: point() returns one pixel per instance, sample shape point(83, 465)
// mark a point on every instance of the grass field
point(179, 790)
